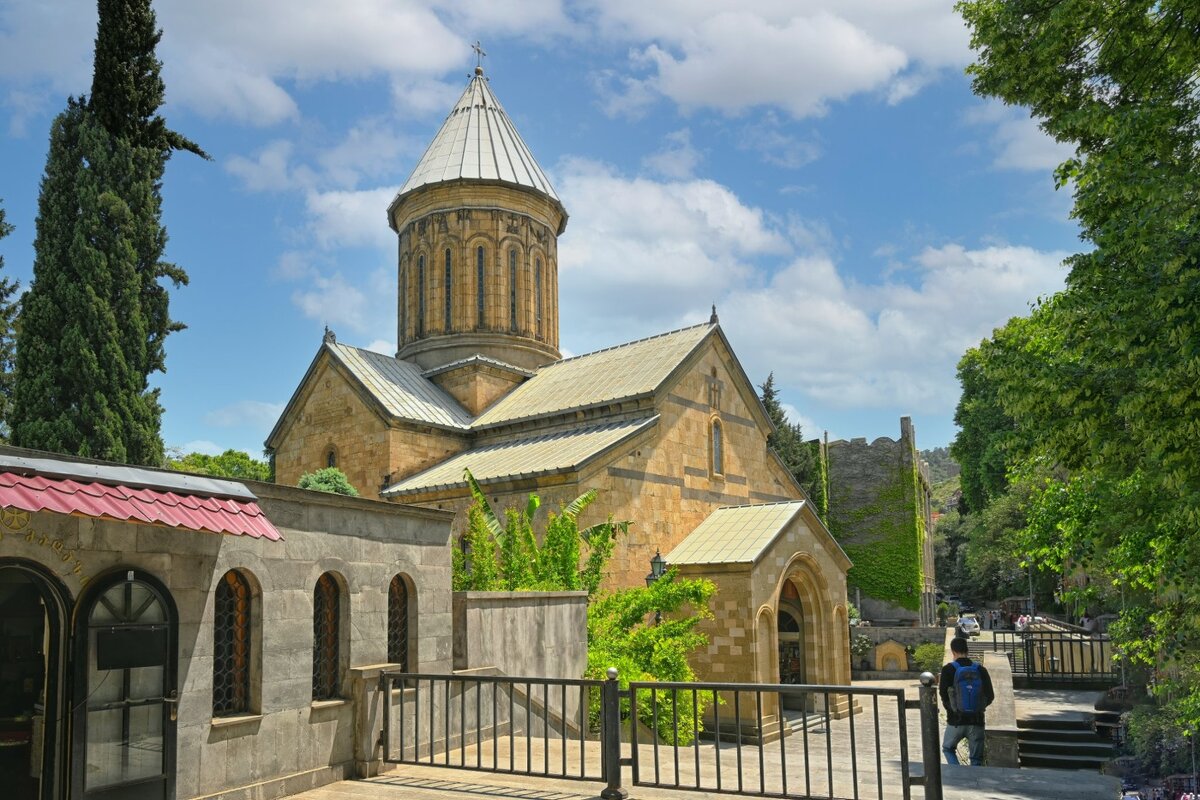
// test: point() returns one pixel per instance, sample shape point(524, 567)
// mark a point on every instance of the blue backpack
point(966, 696)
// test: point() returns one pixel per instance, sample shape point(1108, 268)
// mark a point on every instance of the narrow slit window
point(512, 290)
point(449, 283)
point(398, 616)
point(718, 454)
point(421, 296)
point(537, 293)
point(479, 286)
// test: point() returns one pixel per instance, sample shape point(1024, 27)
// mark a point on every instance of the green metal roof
point(401, 388)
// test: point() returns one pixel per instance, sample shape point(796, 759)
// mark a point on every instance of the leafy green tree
point(236, 464)
point(1104, 379)
point(329, 479)
point(788, 442)
point(8, 319)
point(983, 431)
point(95, 319)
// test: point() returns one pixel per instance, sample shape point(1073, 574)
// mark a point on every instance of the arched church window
point(421, 296)
point(331, 457)
point(479, 286)
point(449, 283)
point(326, 667)
point(398, 617)
point(512, 290)
point(718, 448)
point(231, 646)
point(537, 293)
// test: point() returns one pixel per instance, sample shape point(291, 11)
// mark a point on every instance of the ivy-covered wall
point(878, 507)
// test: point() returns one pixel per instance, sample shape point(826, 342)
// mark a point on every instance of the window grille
point(326, 601)
point(331, 458)
point(231, 646)
point(398, 623)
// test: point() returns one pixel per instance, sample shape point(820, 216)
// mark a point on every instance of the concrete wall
point(289, 742)
point(906, 636)
point(536, 634)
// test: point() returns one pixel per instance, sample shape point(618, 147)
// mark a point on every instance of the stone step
point(1065, 762)
point(1096, 749)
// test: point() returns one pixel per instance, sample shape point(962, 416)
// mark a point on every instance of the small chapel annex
point(669, 429)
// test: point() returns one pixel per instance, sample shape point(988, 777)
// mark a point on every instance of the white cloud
point(650, 252)
point(776, 147)
point(268, 170)
point(351, 218)
point(201, 446)
point(1016, 140)
point(677, 158)
point(244, 413)
point(383, 346)
point(736, 54)
point(363, 306)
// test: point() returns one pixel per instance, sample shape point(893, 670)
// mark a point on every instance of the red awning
point(153, 507)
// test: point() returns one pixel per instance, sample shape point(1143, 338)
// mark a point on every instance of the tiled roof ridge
point(631, 343)
point(478, 357)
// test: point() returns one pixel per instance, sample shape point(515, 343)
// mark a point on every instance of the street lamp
point(658, 566)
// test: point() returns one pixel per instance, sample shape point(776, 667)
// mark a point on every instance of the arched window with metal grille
point(232, 645)
point(326, 668)
point(718, 449)
point(537, 293)
point(421, 296)
point(512, 289)
point(399, 615)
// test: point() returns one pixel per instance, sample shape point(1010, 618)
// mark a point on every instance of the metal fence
point(530, 726)
point(1058, 657)
point(784, 740)
point(781, 740)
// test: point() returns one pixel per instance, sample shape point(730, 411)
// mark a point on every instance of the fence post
point(610, 737)
point(931, 755)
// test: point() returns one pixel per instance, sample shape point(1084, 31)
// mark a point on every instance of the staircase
point(1062, 742)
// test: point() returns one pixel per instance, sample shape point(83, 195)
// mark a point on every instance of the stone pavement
point(862, 778)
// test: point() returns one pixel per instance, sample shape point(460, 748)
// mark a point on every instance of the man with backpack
point(966, 690)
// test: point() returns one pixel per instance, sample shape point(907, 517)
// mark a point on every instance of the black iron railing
point(1058, 656)
point(771, 740)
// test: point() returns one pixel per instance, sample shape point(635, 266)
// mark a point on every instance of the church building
point(668, 429)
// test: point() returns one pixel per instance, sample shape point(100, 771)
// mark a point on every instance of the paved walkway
point(857, 772)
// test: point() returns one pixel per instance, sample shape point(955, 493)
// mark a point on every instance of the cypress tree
point(788, 441)
point(8, 318)
point(96, 317)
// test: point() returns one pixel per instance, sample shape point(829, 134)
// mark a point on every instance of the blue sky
point(820, 170)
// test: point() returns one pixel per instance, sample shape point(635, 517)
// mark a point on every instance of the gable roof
point(537, 455)
point(627, 370)
point(735, 534)
point(397, 387)
point(401, 388)
point(478, 141)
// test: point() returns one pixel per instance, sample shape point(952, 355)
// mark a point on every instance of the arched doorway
point(33, 614)
point(123, 724)
point(791, 645)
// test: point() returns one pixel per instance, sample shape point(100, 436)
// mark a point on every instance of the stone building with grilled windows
point(669, 429)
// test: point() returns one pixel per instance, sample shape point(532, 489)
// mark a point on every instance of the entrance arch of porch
point(803, 591)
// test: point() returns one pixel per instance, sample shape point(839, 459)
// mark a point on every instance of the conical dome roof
point(478, 142)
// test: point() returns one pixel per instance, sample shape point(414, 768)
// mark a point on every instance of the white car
point(968, 625)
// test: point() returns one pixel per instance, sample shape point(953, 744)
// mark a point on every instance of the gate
point(769, 740)
point(1059, 657)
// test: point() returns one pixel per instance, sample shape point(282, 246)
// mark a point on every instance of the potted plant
point(860, 645)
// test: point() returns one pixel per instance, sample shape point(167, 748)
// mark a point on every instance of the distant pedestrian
point(1089, 624)
point(966, 691)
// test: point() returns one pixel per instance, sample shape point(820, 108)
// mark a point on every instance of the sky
point(818, 169)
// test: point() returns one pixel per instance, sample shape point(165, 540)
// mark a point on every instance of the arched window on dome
point(449, 289)
point(512, 290)
point(537, 293)
point(479, 319)
point(421, 296)
point(404, 302)
point(717, 448)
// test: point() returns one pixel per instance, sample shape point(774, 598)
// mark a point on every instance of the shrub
point(330, 479)
point(928, 657)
